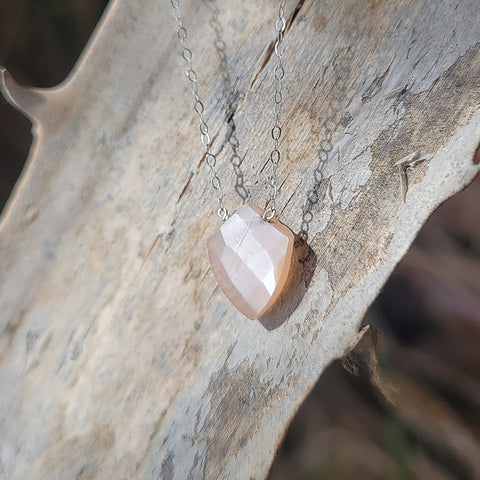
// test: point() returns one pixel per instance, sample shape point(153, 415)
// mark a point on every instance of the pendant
point(250, 258)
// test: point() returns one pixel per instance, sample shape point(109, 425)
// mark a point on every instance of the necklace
point(250, 254)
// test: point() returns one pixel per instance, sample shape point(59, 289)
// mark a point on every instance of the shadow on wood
point(304, 261)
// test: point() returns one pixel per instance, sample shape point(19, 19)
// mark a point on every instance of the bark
point(119, 356)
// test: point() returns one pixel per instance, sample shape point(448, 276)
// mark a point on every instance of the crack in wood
point(184, 189)
point(271, 46)
point(376, 85)
point(405, 165)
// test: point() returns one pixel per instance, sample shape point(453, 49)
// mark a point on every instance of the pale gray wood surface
point(119, 356)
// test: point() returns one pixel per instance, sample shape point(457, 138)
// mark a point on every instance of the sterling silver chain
point(198, 106)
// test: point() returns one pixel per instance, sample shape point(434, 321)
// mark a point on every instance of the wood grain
point(119, 356)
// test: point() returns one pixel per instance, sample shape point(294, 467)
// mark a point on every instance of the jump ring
point(269, 214)
point(222, 212)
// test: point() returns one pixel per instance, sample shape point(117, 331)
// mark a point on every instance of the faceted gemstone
point(250, 258)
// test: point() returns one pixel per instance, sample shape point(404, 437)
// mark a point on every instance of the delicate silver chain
point(210, 158)
point(279, 73)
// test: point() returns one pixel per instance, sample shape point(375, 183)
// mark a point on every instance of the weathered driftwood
point(120, 358)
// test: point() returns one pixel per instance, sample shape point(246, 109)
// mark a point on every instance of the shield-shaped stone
point(250, 258)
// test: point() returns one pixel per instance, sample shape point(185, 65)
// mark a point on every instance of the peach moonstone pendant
point(250, 258)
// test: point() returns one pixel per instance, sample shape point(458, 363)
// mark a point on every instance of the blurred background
point(406, 404)
point(40, 41)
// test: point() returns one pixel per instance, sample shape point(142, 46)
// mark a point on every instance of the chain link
point(276, 132)
point(198, 106)
point(210, 158)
